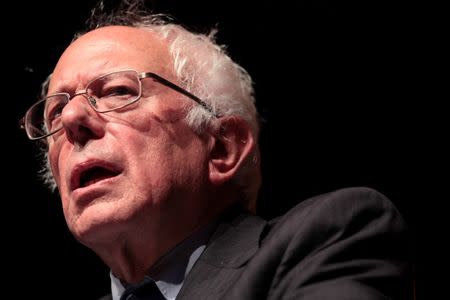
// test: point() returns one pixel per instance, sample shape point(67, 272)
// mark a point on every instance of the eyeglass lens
point(106, 93)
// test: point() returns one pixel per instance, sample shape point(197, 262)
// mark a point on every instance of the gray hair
point(204, 69)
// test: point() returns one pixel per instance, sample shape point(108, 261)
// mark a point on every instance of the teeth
point(94, 175)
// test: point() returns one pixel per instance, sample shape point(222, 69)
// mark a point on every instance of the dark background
point(342, 88)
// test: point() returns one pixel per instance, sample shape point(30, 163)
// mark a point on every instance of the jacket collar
point(235, 241)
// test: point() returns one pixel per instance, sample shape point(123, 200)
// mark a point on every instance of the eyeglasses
point(106, 93)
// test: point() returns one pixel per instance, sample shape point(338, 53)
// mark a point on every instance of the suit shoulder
point(347, 201)
point(336, 238)
point(345, 210)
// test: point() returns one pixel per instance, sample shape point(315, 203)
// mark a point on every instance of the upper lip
point(80, 168)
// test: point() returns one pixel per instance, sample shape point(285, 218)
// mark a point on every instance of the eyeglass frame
point(140, 76)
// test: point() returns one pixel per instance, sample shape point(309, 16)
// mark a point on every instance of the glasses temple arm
point(182, 91)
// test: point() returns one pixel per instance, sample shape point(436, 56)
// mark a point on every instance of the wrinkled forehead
point(109, 49)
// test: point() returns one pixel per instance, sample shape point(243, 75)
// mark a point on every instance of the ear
point(231, 144)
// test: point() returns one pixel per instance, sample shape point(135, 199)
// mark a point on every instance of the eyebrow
point(66, 87)
point(61, 89)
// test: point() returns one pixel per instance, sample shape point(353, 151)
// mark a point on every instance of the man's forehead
point(121, 33)
point(121, 39)
point(110, 49)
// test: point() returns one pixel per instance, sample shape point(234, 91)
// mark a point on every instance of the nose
point(81, 122)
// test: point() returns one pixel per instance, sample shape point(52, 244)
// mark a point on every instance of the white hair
point(204, 69)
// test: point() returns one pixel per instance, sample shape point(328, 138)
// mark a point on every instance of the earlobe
point(232, 144)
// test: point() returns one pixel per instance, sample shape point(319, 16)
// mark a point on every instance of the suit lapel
point(233, 244)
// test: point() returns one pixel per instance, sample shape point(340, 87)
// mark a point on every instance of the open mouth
point(94, 175)
point(88, 174)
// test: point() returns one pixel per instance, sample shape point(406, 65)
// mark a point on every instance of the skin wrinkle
point(65, 85)
point(202, 67)
point(139, 183)
point(166, 168)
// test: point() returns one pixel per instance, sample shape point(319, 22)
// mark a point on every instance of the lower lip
point(95, 190)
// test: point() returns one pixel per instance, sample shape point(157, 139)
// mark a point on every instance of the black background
point(343, 90)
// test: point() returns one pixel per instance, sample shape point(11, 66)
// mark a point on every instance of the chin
point(95, 224)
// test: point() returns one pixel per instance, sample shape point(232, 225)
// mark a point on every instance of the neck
point(127, 262)
point(132, 252)
point(130, 259)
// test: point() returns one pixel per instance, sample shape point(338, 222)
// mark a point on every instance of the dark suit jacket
point(348, 244)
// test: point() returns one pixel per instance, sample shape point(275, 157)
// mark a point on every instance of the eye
point(118, 91)
point(114, 90)
point(53, 110)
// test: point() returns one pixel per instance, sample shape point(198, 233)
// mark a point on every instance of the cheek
point(56, 160)
point(58, 156)
point(162, 110)
point(54, 157)
point(157, 155)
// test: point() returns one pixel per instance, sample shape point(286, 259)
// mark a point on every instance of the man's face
point(134, 169)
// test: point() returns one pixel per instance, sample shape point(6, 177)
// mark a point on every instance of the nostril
point(79, 134)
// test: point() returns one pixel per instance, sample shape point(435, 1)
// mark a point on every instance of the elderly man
point(152, 142)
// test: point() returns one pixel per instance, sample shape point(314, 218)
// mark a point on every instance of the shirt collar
point(170, 271)
point(117, 288)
